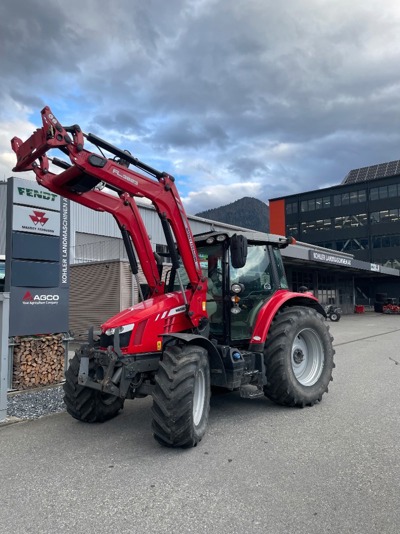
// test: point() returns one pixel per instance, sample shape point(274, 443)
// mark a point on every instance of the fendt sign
point(37, 256)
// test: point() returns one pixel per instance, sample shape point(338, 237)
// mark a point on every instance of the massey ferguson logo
point(38, 217)
point(44, 298)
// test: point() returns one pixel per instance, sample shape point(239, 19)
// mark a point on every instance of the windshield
point(257, 285)
point(256, 274)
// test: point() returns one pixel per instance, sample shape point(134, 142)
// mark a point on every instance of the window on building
point(326, 289)
point(351, 221)
point(385, 241)
point(358, 220)
point(392, 191)
point(339, 223)
point(304, 205)
point(291, 207)
point(393, 215)
point(376, 242)
point(311, 204)
point(384, 216)
point(292, 229)
point(337, 200)
point(318, 203)
point(374, 217)
point(301, 278)
point(374, 193)
point(392, 262)
point(395, 240)
point(326, 202)
point(383, 192)
point(353, 197)
point(362, 195)
point(345, 199)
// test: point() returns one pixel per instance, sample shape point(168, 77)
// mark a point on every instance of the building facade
point(361, 216)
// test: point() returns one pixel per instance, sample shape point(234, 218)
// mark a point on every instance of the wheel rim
point(307, 357)
point(199, 394)
point(333, 316)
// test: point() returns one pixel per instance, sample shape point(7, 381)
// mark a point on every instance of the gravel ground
point(35, 404)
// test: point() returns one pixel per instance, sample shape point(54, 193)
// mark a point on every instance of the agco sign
point(43, 298)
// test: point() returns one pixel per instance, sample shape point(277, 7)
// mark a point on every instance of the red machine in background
point(222, 316)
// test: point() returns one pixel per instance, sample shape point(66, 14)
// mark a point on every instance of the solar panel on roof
point(391, 168)
point(382, 169)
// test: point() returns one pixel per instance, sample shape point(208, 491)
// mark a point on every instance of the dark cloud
point(276, 97)
point(181, 133)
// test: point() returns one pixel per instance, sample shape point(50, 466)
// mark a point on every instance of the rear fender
point(279, 300)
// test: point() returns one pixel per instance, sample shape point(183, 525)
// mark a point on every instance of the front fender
point(216, 363)
point(280, 299)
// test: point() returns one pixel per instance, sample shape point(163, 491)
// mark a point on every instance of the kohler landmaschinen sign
point(330, 258)
point(37, 256)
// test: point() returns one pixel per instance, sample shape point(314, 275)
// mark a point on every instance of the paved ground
point(260, 469)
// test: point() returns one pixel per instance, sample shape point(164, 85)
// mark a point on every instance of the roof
point(253, 236)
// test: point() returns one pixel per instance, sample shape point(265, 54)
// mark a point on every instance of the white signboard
point(36, 221)
point(30, 193)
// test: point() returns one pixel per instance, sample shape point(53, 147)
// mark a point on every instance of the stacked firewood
point(38, 361)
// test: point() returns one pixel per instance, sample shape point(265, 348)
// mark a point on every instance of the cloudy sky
point(235, 98)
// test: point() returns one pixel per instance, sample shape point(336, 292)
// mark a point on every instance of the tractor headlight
point(237, 288)
point(122, 329)
point(221, 238)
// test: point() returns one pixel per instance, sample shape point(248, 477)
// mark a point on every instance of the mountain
point(246, 212)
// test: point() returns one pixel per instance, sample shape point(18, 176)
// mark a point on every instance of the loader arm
point(79, 182)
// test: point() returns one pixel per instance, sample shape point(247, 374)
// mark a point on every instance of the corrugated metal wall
point(98, 291)
point(96, 237)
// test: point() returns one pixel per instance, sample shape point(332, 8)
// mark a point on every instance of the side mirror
point(238, 251)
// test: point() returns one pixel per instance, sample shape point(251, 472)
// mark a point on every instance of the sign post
point(37, 259)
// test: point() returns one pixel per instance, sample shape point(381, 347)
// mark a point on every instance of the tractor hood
point(143, 325)
point(162, 304)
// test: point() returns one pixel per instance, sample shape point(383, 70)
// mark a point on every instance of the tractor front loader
point(223, 315)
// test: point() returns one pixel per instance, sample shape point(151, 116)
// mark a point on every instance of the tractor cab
point(243, 272)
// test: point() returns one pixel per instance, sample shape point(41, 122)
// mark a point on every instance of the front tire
point(298, 357)
point(181, 397)
point(86, 404)
point(334, 317)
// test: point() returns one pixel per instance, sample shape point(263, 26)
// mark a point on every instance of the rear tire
point(86, 404)
point(298, 357)
point(181, 397)
point(334, 317)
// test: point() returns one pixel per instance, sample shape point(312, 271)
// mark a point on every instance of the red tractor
point(222, 316)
